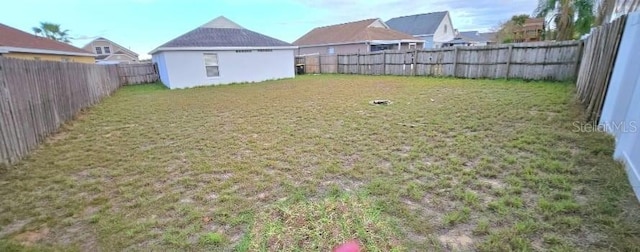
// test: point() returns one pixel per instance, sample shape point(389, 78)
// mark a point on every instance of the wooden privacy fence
point(600, 51)
point(131, 74)
point(36, 97)
point(536, 61)
point(319, 63)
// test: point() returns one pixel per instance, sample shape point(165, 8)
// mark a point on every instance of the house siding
point(428, 41)
point(50, 57)
point(185, 69)
point(443, 35)
point(113, 48)
point(338, 49)
point(620, 113)
point(162, 68)
point(347, 49)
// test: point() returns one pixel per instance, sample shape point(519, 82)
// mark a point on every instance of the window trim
point(98, 50)
point(216, 64)
point(104, 48)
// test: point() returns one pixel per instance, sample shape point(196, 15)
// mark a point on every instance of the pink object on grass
point(351, 246)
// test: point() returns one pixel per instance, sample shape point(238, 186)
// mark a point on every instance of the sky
point(143, 25)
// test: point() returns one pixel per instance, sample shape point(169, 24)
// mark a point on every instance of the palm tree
point(572, 17)
point(52, 31)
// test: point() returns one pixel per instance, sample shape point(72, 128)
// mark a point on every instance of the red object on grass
point(351, 246)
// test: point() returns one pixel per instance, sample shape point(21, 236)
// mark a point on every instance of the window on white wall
point(98, 50)
point(107, 50)
point(446, 28)
point(211, 64)
point(331, 50)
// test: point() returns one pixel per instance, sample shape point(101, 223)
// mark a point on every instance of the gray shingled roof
point(223, 37)
point(222, 32)
point(417, 24)
point(472, 36)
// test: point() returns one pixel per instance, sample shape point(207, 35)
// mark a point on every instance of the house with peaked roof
point(360, 36)
point(108, 52)
point(433, 28)
point(222, 52)
point(15, 43)
point(490, 36)
point(468, 38)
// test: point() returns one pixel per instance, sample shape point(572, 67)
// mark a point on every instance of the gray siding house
point(434, 28)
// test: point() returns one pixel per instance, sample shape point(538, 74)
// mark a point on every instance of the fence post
point(358, 62)
point(455, 61)
point(5, 153)
point(509, 61)
point(578, 59)
point(306, 67)
point(384, 62)
point(319, 64)
point(415, 62)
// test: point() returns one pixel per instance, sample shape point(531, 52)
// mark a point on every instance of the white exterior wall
point(428, 41)
point(184, 69)
point(441, 36)
point(621, 113)
point(158, 58)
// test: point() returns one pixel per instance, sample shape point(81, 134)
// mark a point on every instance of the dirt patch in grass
point(30, 237)
point(494, 162)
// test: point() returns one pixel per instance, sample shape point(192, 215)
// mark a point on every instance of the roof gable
point(221, 22)
point(358, 31)
point(11, 37)
point(219, 32)
point(119, 47)
point(420, 24)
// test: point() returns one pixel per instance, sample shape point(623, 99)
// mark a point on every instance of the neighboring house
point(433, 28)
point(355, 37)
point(15, 43)
point(468, 38)
point(530, 31)
point(491, 37)
point(110, 52)
point(222, 52)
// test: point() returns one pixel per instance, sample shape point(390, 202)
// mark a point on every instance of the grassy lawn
point(308, 163)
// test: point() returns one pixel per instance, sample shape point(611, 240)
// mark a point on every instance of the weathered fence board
point(537, 61)
point(131, 74)
point(36, 97)
point(599, 55)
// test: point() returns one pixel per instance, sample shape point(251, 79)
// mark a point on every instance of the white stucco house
point(434, 28)
point(222, 52)
point(620, 112)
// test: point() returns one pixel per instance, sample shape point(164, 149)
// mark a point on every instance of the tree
point(572, 18)
point(52, 31)
point(506, 32)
